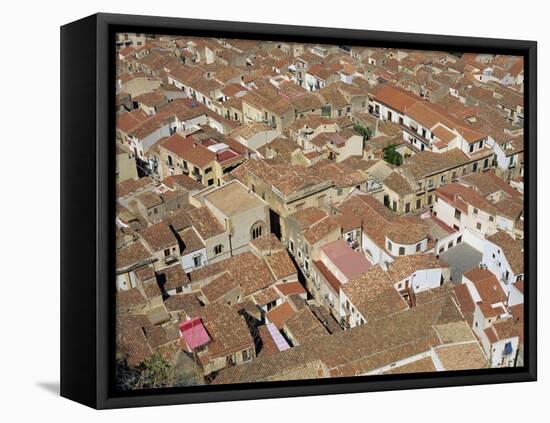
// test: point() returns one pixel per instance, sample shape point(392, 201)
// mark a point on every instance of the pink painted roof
point(194, 333)
point(337, 139)
point(281, 343)
point(350, 262)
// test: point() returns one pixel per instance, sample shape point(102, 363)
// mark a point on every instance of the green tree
point(391, 155)
point(152, 373)
point(362, 130)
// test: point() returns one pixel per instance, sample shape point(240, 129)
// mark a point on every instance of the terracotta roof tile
point(227, 329)
point(127, 121)
point(131, 255)
point(463, 356)
point(374, 295)
point(359, 350)
point(303, 326)
point(289, 288)
point(219, 287)
point(280, 264)
point(266, 296)
point(280, 314)
point(159, 236)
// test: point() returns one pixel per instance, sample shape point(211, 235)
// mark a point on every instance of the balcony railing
point(170, 259)
point(412, 133)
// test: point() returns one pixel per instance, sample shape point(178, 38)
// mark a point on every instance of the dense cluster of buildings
point(297, 211)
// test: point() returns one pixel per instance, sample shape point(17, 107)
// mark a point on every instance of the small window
point(167, 252)
point(418, 246)
point(478, 226)
point(218, 249)
point(390, 246)
point(508, 349)
point(197, 261)
point(401, 251)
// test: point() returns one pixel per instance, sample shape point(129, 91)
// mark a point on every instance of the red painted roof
point(194, 333)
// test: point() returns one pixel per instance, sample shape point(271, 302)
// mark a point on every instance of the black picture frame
point(87, 209)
